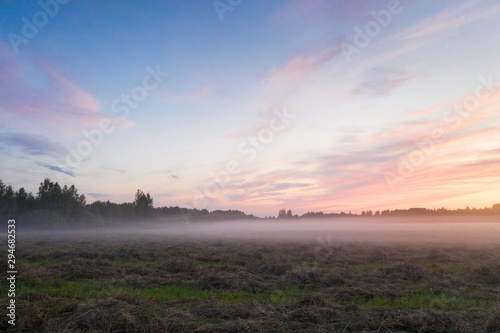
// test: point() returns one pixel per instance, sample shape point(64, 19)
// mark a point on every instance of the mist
point(425, 230)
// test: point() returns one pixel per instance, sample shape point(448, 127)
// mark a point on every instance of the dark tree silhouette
point(25, 201)
point(64, 200)
point(143, 203)
point(7, 200)
point(49, 194)
point(73, 204)
point(56, 205)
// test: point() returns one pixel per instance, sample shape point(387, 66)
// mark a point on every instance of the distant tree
point(49, 195)
point(112, 210)
point(289, 214)
point(314, 214)
point(64, 200)
point(7, 200)
point(228, 214)
point(25, 201)
point(143, 203)
point(496, 208)
point(282, 214)
point(127, 209)
point(73, 204)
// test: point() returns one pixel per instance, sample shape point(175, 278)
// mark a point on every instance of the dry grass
point(216, 286)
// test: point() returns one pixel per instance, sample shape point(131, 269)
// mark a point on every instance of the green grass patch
point(29, 262)
point(427, 300)
point(446, 267)
point(84, 290)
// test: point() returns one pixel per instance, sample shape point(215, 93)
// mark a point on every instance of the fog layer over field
point(459, 230)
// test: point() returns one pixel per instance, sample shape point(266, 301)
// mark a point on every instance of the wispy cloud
point(37, 92)
point(380, 81)
point(32, 144)
point(57, 169)
point(300, 65)
point(447, 22)
point(352, 174)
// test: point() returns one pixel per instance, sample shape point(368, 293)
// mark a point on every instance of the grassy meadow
point(182, 285)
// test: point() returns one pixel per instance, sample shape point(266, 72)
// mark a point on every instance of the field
point(186, 285)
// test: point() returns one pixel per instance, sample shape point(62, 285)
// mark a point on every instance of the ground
point(186, 285)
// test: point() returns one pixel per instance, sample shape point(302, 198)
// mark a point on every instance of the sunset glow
point(309, 105)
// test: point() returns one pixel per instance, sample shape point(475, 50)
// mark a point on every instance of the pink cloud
point(77, 97)
point(281, 81)
point(367, 189)
point(304, 63)
point(457, 167)
point(446, 22)
point(38, 92)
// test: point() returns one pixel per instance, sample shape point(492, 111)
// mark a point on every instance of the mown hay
point(486, 274)
point(116, 315)
point(406, 272)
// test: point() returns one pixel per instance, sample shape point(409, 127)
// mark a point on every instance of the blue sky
point(266, 108)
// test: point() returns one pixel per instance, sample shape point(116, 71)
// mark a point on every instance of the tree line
point(58, 205)
point(55, 204)
point(486, 211)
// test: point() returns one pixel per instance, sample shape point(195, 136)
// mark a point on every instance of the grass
point(425, 301)
point(199, 263)
point(39, 262)
point(367, 267)
point(86, 290)
point(214, 286)
point(447, 267)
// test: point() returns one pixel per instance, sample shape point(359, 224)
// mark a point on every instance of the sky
point(321, 105)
